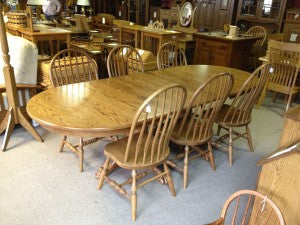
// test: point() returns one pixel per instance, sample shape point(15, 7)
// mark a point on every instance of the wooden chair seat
point(116, 151)
point(232, 118)
point(183, 137)
point(283, 89)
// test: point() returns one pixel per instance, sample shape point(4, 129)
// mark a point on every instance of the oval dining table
point(107, 107)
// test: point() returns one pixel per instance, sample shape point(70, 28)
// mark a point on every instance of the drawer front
point(213, 44)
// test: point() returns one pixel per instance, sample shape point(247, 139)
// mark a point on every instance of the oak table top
point(106, 107)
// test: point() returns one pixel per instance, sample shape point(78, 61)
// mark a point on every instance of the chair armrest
point(21, 87)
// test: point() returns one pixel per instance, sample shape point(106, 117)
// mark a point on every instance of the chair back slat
point(241, 107)
point(72, 66)
point(197, 122)
point(246, 210)
point(235, 210)
point(124, 60)
point(155, 120)
point(170, 55)
point(258, 210)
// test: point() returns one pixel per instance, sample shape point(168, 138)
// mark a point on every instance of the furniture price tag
point(293, 37)
point(120, 14)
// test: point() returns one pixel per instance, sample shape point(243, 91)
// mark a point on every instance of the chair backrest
point(241, 107)
point(72, 66)
point(124, 60)
point(285, 61)
point(201, 112)
point(259, 209)
point(155, 119)
point(258, 31)
point(170, 55)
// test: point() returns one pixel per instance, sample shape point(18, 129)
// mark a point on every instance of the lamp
point(37, 3)
point(83, 3)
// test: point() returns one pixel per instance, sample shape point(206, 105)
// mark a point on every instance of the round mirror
point(186, 14)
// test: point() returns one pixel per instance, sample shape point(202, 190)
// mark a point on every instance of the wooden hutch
point(268, 14)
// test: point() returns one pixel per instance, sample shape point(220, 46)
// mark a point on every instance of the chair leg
point(289, 102)
point(275, 96)
point(81, 155)
point(170, 180)
point(219, 130)
point(62, 144)
point(133, 196)
point(103, 173)
point(249, 139)
point(211, 156)
point(230, 147)
point(186, 167)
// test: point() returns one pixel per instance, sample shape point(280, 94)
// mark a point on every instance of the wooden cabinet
point(214, 49)
point(292, 26)
point(269, 13)
point(211, 52)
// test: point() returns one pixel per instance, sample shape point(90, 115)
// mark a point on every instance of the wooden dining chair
point(285, 61)
point(195, 127)
point(257, 47)
point(238, 113)
point(124, 60)
point(170, 55)
point(71, 66)
point(249, 207)
point(148, 148)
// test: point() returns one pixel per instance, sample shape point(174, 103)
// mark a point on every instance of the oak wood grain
point(107, 107)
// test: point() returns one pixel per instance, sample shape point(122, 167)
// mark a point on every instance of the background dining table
point(107, 107)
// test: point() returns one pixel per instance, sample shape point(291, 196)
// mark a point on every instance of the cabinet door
point(219, 57)
point(271, 9)
point(223, 13)
point(203, 55)
point(204, 14)
point(248, 9)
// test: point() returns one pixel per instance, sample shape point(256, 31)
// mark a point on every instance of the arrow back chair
point(124, 60)
point(170, 55)
point(68, 67)
point(155, 120)
point(238, 113)
point(195, 127)
point(249, 207)
point(257, 48)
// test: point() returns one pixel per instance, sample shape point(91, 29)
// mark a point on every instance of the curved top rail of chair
point(106, 107)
